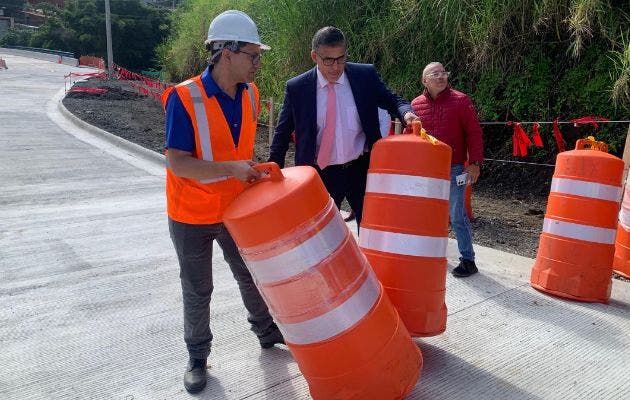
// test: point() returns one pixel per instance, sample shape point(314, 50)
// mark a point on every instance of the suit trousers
point(347, 181)
point(193, 245)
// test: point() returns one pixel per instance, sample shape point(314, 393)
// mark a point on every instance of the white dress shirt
point(349, 141)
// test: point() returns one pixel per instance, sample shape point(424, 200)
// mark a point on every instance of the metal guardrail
point(40, 50)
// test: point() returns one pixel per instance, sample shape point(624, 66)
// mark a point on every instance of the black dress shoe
point(271, 338)
point(195, 377)
point(465, 268)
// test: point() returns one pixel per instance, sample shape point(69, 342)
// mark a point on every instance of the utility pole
point(108, 31)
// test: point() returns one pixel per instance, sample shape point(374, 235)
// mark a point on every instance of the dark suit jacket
point(299, 111)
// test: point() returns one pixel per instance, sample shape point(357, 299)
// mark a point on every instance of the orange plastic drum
point(621, 264)
point(404, 231)
point(576, 249)
point(336, 319)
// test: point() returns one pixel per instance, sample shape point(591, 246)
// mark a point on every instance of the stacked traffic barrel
point(404, 231)
point(336, 319)
point(576, 249)
point(621, 264)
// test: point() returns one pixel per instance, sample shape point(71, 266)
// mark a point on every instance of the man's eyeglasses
point(444, 74)
point(255, 58)
point(328, 61)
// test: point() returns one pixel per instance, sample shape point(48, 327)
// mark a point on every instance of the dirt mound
point(121, 111)
point(109, 94)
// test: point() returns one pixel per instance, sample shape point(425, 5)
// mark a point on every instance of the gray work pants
point(193, 244)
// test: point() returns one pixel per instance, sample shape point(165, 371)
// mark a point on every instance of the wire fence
point(270, 124)
point(397, 128)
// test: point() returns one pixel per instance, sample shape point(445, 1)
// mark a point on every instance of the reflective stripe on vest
point(338, 320)
point(586, 189)
point(408, 185)
point(579, 231)
point(202, 123)
point(204, 130)
point(252, 100)
point(402, 243)
point(302, 257)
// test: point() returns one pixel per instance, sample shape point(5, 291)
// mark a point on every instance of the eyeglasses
point(255, 58)
point(328, 61)
point(441, 74)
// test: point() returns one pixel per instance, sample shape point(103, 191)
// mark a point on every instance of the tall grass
point(621, 74)
point(527, 59)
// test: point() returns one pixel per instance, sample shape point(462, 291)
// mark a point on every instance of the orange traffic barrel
point(576, 248)
point(621, 263)
point(336, 319)
point(404, 231)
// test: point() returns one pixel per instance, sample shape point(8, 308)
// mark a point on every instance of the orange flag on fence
point(536, 135)
point(520, 141)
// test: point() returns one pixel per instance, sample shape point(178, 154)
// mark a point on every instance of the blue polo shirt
point(180, 133)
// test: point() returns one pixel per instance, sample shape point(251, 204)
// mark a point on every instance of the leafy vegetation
point(523, 60)
point(519, 60)
point(80, 29)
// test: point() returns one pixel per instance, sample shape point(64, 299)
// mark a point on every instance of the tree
point(80, 28)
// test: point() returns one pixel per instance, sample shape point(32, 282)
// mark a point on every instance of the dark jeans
point(347, 180)
point(193, 244)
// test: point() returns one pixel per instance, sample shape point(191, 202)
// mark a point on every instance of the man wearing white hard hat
point(210, 127)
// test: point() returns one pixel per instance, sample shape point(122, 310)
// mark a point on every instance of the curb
point(123, 144)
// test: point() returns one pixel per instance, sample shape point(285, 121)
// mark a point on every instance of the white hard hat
point(234, 25)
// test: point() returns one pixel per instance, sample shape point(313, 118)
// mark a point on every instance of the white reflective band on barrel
point(337, 320)
point(403, 243)
point(202, 121)
point(302, 257)
point(408, 185)
point(624, 218)
point(586, 189)
point(579, 231)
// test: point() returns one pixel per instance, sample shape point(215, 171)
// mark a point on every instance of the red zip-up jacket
point(452, 118)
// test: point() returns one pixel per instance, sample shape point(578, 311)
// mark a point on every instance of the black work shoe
point(272, 337)
point(465, 268)
point(195, 377)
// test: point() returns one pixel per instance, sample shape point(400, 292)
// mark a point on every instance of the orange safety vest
point(203, 202)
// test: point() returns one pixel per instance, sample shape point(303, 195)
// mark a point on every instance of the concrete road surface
point(91, 304)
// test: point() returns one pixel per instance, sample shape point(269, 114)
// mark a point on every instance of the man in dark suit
point(333, 109)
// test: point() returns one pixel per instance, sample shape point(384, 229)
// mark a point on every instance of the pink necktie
point(328, 133)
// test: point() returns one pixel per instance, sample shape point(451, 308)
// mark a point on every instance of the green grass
point(520, 60)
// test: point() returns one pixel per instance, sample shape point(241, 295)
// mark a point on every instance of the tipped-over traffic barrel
point(336, 319)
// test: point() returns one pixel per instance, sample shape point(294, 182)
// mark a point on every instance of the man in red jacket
point(450, 116)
